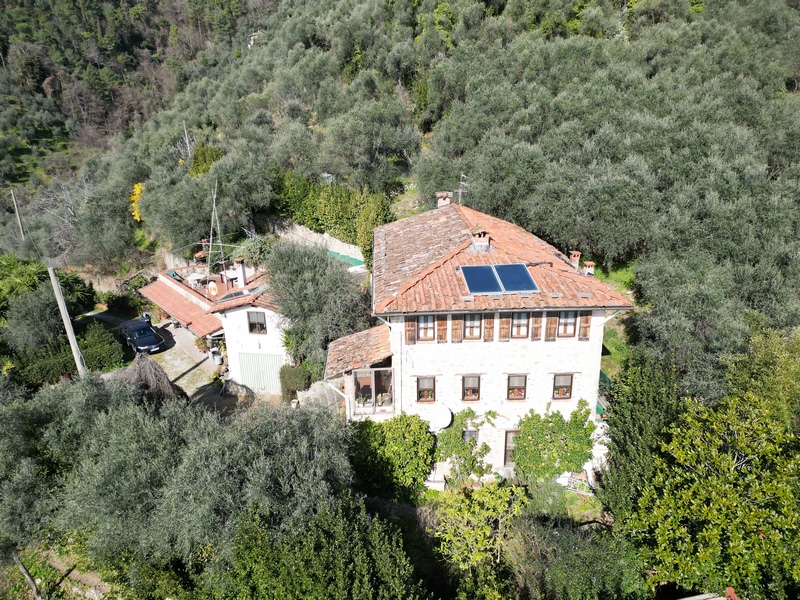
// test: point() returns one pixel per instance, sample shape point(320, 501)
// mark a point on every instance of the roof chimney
point(241, 278)
point(574, 258)
point(480, 239)
point(588, 268)
point(443, 199)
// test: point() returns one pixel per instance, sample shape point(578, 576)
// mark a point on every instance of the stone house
point(476, 312)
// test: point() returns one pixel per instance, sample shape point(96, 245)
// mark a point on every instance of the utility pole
point(62, 307)
point(16, 212)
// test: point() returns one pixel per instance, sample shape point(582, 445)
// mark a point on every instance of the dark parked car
point(141, 337)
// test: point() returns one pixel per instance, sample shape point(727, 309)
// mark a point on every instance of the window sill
point(427, 401)
point(557, 399)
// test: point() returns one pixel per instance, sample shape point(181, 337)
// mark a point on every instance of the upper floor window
point(257, 322)
point(562, 387)
point(516, 387)
point(426, 389)
point(519, 325)
point(425, 330)
point(566, 323)
point(471, 388)
point(472, 327)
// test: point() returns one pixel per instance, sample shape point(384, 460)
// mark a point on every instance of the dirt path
point(91, 585)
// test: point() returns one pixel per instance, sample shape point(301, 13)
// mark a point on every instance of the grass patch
point(13, 584)
point(620, 278)
point(583, 508)
point(615, 349)
point(143, 242)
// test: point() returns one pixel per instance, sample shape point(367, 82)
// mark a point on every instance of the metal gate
point(261, 371)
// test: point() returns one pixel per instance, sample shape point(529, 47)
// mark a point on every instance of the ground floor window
point(471, 434)
point(471, 388)
point(562, 387)
point(510, 445)
point(426, 389)
point(517, 386)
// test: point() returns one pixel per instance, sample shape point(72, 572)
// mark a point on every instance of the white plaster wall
point(239, 339)
point(494, 361)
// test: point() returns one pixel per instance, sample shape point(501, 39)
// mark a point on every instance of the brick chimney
point(480, 239)
point(443, 199)
point(241, 279)
point(588, 268)
point(574, 258)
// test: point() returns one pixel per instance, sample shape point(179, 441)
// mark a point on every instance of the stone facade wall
point(494, 362)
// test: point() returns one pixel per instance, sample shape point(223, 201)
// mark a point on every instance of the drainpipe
point(614, 314)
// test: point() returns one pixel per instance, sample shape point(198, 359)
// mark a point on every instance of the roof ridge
point(422, 275)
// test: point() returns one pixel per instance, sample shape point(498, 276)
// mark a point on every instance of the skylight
point(240, 293)
point(498, 279)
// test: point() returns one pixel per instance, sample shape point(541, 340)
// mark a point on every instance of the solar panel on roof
point(481, 280)
point(493, 279)
point(516, 278)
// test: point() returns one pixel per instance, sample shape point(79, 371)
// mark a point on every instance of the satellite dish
point(212, 288)
point(439, 417)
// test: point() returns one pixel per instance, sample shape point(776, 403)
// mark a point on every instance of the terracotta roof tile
point(417, 264)
point(187, 313)
point(358, 350)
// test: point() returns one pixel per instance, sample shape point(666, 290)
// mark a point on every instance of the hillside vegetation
point(661, 138)
point(661, 131)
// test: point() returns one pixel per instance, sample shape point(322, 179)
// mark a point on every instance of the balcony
point(373, 392)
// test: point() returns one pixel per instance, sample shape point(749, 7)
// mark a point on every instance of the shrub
point(393, 457)
point(548, 445)
point(101, 350)
point(45, 367)
point(293, 379)
point(127, 303)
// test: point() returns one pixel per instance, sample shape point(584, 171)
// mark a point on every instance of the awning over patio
point(358, 350)
point(183, 310)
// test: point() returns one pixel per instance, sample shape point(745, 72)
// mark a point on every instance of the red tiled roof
point(189, 314)
point(415, 266)
point(358, 350)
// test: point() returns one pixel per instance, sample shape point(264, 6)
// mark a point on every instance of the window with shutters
point(562, 387)
point(257, 322)
point(517, 387)
point(584, 325)
point(426, 389)
point(472, 327)
point(488, 327)
point(441, 329)
point(471, 388)
point(456, 328)
point(536, 326)
point(566, 323)
point(551, 328)
point(425, 331)
point(505, 327)
point(510, 445)
point(519, 325)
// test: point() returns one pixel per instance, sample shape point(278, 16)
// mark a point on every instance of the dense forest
point(659, 137)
